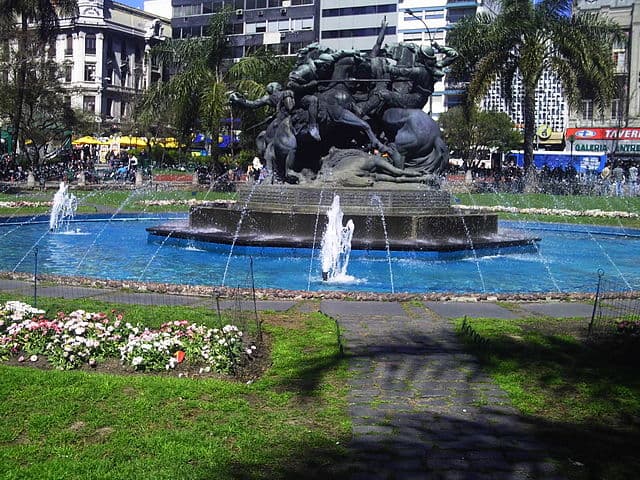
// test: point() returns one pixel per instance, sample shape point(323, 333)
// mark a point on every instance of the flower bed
point(172, 177)
point(83, 338)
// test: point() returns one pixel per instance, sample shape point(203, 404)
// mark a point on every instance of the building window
point(587, 109)
point(366, 10)
point(89, 104)
point(295, 46)
point(252, 4)
point(278, 25)
point(303, 23)
point(89, 72)
point(357, 32)
point(90, 44)
point(68, 70)
point(620, 61)
point(616, 111)
point(52, 49)
point(257, 27)
point(68, 49)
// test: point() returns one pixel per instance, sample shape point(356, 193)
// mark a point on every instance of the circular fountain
point(411, 218)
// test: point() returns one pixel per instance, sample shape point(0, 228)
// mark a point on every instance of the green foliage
point(32, 24)
point(195, 98)
point(525, 38)
point(467, 131)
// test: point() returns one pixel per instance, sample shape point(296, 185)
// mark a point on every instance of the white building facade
point(105, 57)
point(425, 22)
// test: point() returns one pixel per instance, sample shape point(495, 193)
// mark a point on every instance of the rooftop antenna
point(411, 12)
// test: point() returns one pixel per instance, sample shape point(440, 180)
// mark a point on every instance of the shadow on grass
point(583, 398)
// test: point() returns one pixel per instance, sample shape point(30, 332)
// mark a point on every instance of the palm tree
point(20, 19)
point(196, 96)
point(526, 38)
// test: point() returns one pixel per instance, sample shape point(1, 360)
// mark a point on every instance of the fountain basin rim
point(249, 240)
point(177, 289)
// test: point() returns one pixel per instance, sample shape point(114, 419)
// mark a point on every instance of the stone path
point(421, 407)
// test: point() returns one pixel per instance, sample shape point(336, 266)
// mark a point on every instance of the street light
point(410, 12)
point(572, 138)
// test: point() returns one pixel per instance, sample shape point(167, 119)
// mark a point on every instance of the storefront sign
point(590, 147)
point(603, 133)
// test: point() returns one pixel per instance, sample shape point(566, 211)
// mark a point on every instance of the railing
point(616, 310)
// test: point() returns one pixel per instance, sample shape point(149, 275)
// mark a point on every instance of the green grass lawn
point(128, 201)
point(584, 399)
point(291, 423)
point(111, 200)
point(569, 202)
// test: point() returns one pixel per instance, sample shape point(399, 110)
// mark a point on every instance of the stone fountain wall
point(406, 218)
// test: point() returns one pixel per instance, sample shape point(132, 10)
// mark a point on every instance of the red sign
point(603, 133)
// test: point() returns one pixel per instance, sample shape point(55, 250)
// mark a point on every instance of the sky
point(132, 3)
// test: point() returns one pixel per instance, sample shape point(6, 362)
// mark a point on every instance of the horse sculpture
point(416, 141)
point(346, 100)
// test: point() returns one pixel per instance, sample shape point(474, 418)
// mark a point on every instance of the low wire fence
point(616, 311)
point(237, 305)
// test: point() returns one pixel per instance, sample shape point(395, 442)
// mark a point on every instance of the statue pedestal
point(138, 178)
point(82, 181)
point(194, 179)
point(31, 180)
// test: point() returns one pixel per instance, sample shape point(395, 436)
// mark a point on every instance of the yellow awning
point(86, 140)
point(133, 141)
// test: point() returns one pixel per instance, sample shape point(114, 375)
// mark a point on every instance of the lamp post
point(572, 138)
point(411, 12)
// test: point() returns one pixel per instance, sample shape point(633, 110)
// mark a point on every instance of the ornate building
point(105, 59)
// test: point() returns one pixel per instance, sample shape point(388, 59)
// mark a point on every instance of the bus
point(583, 162)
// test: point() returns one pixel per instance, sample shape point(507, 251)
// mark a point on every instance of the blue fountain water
point(569, 254)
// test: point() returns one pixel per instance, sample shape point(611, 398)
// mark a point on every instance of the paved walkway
point(421, 406)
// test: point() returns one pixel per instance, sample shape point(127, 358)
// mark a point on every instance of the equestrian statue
point(355, 118)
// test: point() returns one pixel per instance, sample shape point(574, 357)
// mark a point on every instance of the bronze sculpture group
point(355, 118)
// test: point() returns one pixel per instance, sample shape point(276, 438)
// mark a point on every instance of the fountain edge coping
point(279, 294)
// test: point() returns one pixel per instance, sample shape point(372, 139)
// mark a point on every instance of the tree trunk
point(529, 112)
point(21, 80)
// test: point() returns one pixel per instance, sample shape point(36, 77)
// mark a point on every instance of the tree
point(195, 98)
point(526, 38)
point(32, 24)
point(468, 134)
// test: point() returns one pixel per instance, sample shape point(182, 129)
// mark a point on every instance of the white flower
point(33, 358)
point(137, 361)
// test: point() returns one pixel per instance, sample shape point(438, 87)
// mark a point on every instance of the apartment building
point(355, 24)
point(283, 26)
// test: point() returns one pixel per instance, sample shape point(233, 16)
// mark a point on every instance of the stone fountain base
point(402, 217)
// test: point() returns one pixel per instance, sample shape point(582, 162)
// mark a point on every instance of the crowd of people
point(615, 179)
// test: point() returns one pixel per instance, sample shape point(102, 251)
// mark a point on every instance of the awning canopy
point(86, 140)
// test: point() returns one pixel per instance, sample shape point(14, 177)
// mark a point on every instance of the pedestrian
point(618, 177)
point(633, 180)
point(605, 175)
